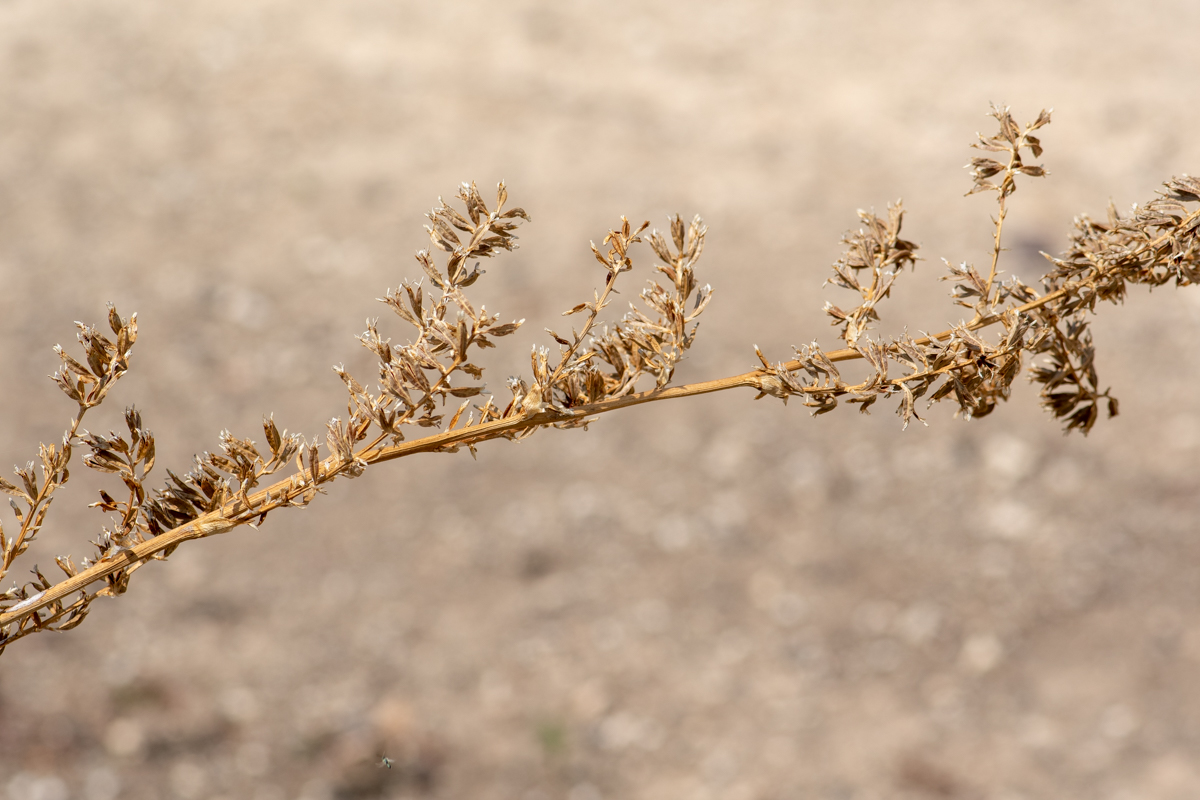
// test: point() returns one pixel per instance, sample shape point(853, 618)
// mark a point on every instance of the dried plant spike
point(595, 369)
point(977, 373)
point(875, 248)
point(1011, 139)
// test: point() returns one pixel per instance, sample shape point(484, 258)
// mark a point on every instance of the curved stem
point(286, 491)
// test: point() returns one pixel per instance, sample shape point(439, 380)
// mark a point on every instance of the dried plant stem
point(291, 491)
point(287, 492)
point(1158, 243)
point(989, 298)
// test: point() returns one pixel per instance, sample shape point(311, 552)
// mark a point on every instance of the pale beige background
point(709, 599)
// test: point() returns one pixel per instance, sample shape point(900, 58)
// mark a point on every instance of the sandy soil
point(714, 598)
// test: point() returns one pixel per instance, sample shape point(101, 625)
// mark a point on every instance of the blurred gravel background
point(713, 598)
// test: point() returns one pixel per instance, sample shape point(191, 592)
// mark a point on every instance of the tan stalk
point(975, 372)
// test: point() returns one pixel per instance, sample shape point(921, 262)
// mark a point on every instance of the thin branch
point(1157, 244)
point(289, 490)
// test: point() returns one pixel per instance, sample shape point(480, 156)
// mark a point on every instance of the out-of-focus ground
point(713, 598)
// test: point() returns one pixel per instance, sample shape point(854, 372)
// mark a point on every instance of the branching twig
point(1158, 243)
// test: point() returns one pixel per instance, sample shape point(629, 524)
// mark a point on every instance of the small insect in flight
point(384, 761)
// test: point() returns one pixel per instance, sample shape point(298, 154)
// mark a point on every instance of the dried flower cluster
point(596, 369)
point(1157, 243)
point(87, 385)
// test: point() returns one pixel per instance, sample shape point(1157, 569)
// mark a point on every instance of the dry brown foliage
point(593, 370)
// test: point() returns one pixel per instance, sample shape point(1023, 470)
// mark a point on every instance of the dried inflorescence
point(87, 385)
point(597, 368)
point(640, 343)
point(875, 249)
point(1154, 245)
